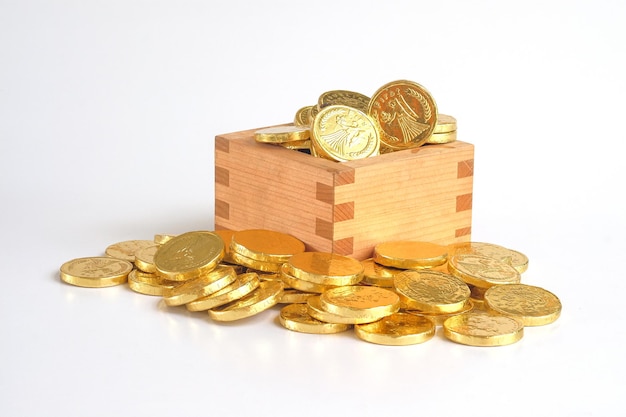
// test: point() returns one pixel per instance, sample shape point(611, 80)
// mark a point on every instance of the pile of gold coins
point(347, 125)
point(397, 297)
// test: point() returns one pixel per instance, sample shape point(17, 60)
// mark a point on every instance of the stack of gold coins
point(445, 130)
point(263, 250)
point(316, 272)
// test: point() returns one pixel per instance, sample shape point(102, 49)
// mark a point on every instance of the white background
point(108, 113)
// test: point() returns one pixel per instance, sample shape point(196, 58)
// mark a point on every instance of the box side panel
point(420, 197)
point(268, 187)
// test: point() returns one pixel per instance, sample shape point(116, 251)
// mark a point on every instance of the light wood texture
point(345, 207)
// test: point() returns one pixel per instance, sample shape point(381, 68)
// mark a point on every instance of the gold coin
point(345, 98)
point(439, 138)
point(482, 271)
point(405, 113)
point(431, 291)
point(377, 274)
point(297, 145)
point(534, 306)
point(516, 259)
point(189, 255)
point(144, 258)
point(445, 124)
point(303, 116)
point(160, 239)
point(126, 250)
point(242, 286)
point(315, 310)
point(479, 329)
point(282, 134)
point(314, 110)
point(293, 296)
point(296, 317)
point(438, 319)
point(362, 304)
point(149, 284)
point(265, 296)
point(406, 254)
point(199, 287)
point(325, 268)
point(226, 236)
point(96, 271)
point(261, 266)
point(299, 284)
point(266, 245)
point(398, 329)
point(342, 133)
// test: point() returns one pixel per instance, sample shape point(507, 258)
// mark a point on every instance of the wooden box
point(344, 207)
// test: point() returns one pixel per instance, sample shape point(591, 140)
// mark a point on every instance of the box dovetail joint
point(344, 207)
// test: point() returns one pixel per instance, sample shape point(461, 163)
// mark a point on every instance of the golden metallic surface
point(378, 275)
point(282, 134)
point(296, 317)
point(300, 284)
point(438, 319)
point(342, 133)
point(482, 271)
point(480, 329)
point(293, 296)
point(96, 271)
point(445, 124)
point(516, 259)
point(432, 291)
point(242, 286)
point(160, 239)
point(398, 329)
point(303, 116)
point(199, 287)
point(266, 245)
point(439, 138)
point(479, 304)
point(126, 250)
point(189, 255)
point(261, 266)
point(297, 145)
point(149, 284)
point(315, 310)
point(265, 296)
point(534, 306)
point(345, 98)
point(362, 304)
point(407, 254)
point(325, 268)
point(144, 258)
point(405, 112)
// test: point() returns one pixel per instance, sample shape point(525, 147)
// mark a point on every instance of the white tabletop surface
point(108, 113)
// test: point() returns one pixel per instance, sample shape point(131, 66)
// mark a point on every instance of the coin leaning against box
point(397, 297)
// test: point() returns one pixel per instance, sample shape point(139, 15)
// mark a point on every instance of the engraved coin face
point(432, 291)
point(364, 304)
point(477, 329)
point(303, 116)
point(482, 271)
point(345, 98)
point(189, 254)
point(126, 250)
point(96, 272)
point(398, 329)
point(516, 259)
point(535, 306)
point(405, 112)
point(342, 133)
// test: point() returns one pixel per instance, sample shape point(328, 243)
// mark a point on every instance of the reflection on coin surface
point(479, 329)
point(325, 268)
point(265, 245)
